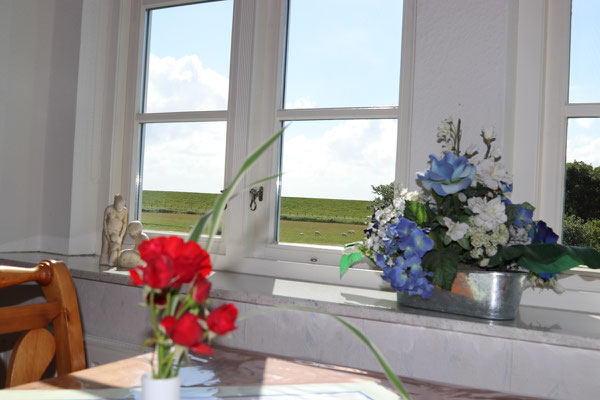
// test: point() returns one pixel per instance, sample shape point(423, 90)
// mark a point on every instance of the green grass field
point(301, 217)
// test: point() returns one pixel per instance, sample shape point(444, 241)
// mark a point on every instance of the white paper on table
point(318, 391)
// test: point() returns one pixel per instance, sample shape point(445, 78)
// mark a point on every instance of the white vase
point(160, 389)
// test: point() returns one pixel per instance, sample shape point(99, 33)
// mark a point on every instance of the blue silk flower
point(448, 175)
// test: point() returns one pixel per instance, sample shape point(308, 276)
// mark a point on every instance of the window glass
point(584, 83)
point(328, 170)
point(188, 57)
point(183, 172)
point(582, 187)
point(343, 53)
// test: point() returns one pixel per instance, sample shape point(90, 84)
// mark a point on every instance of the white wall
point(60, 126)
point(461, 69)
point(62, 67)
point(56, 119)
point(26, 36)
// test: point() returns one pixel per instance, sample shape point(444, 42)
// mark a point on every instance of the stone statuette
point(113, 231)
point(130, 258)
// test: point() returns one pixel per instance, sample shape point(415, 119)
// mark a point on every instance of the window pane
point(328, 169)
point(582, 211)
point(584, 84)
point(346, 54)
point(188, 60)
point(183, 172)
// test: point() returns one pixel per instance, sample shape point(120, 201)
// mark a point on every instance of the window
point(582, 212)
point(341, 63)
point(183, 112)
point(219, 77)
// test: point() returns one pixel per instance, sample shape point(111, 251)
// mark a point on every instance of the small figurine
point(113, 231)
point(130, 258)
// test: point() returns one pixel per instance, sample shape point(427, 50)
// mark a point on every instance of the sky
point(347, 55)
point(583, 134)
point(344, 56)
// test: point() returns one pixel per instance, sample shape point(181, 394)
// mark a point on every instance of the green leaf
point(510, 253)
point(464, 242)
point(444, 265)
point(463, 218)
point(212, 222)
point(199, 227)
point(511, 212)
point(440, 220)
point(416, 212)
point(389, 372)
point(527, 206)
point(554, 258)
point(447, 240)
point(347, 260)
point(494, 260)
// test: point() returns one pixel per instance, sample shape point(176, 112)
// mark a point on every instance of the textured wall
point(460, 71)
point(25, 44)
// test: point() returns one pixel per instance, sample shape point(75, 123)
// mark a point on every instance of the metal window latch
point(255, 194)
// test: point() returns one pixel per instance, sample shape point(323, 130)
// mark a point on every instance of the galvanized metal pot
point(482, 294)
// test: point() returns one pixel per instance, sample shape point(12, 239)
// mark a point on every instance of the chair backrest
point(35, 348)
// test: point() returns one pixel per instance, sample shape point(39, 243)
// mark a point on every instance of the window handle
point(255, 194)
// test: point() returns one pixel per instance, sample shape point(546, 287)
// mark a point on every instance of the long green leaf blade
point(212, 218)
point(224, 197)
point(389, 372)
point(194, 236)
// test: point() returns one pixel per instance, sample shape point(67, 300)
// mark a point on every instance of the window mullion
point(242, 53)
point(260, 68)
point(587, 110)
point(407, 71)
point(338, 113)
point(187, 116)
point(552, 166)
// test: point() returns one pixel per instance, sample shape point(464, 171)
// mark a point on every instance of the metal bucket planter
point(481, 294)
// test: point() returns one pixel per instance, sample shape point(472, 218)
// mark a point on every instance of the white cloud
point(302, 102)
point(340, 162)
point(584, 149)
point(184, 84)
point(321, 159)
point(585, 122)
point(583, 140)
point(185, 157)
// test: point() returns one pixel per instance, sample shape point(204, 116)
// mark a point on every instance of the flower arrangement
point(180, 322)
point(462, 214)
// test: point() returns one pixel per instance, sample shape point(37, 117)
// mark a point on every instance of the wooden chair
point(35, 348)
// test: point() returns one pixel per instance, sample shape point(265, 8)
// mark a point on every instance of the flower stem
point(155, 329)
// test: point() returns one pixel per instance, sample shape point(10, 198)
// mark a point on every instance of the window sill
point(533, 324)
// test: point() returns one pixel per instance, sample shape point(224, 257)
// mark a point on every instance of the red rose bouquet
point(181, 322)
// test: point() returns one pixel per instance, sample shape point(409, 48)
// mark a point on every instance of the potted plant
point(459, 244)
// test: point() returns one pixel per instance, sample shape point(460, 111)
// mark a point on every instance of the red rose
point(167, 324)
point(202, 349)
point(222, 320)
point(160, 298)
point(186, 260)
point(135, 277)
point(185, 331)
point(159, 272)
point(191, 260)
point(201, 290)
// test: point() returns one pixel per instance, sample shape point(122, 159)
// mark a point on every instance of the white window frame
point(556, 112)
point(539, 140)
point(535, 108)
point(252, 116)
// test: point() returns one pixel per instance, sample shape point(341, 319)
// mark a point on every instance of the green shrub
point(577, 232)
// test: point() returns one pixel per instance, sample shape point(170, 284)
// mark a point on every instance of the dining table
point(245, 375)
